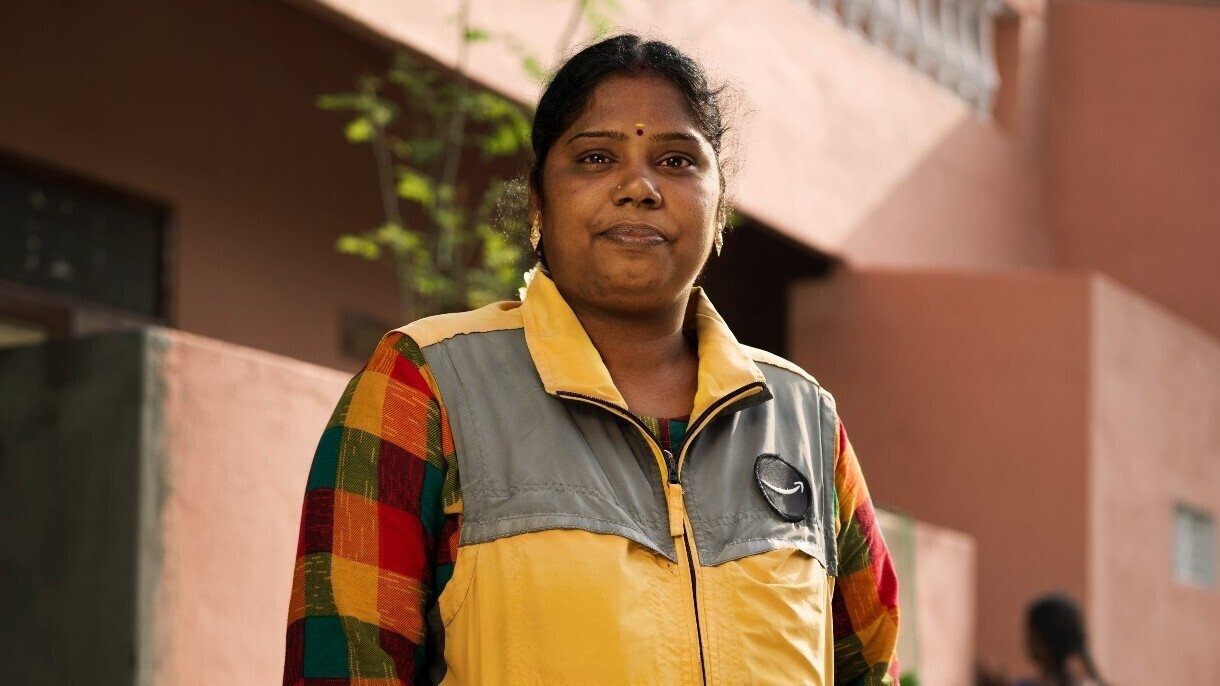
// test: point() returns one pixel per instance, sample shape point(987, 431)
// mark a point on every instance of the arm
point(375, 539)
point(865, 597)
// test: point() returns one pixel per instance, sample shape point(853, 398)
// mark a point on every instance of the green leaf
point(339, 101)
point(486, 106)
point(448, 220)
point(361, 246)
point(598, 14)
point(502, 141)
point(602, 26)
point(381, 112)
point(359, 130)
point(474, 35)
point(401, 241)
point(424, 149)
point(369, 83)
point(415, 187)
point(534, 69)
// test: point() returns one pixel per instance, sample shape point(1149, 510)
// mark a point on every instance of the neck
point(650, 341)
point(648, 357)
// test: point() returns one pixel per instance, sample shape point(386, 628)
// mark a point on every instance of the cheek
point(713, 194)
point(706, 207)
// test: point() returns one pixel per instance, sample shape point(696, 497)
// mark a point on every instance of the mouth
point(633, 235)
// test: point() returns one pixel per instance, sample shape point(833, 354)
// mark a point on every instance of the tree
point(467, 247)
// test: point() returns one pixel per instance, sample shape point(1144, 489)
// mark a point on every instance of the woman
point(597, 484)
point(1057, 645)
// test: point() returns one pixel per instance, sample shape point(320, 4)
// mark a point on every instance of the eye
point(594, 158)
point(677, 162)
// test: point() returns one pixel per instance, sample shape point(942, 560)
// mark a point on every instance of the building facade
point(987, 227)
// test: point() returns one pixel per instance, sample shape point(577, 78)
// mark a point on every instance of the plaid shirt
point(379, 533)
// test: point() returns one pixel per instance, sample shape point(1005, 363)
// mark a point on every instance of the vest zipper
point(694, 589)
point(664, 466)
point(724, 403)
point(672, 468)
point(676, 502)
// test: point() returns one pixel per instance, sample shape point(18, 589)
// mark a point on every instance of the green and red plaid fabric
point(865, 600)
point(668, 432)
point(378, 529)
point(380, 524)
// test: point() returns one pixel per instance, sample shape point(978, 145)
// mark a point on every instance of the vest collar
point(568, 363)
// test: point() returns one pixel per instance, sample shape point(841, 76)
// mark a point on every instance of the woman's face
point(630, 198)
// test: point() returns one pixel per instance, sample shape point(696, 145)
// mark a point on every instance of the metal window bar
point(951, 41)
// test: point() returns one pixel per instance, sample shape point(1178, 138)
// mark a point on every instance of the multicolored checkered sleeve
point(865, 601)
point(378, 529)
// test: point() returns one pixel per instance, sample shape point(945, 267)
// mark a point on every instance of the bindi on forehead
point(639, 129)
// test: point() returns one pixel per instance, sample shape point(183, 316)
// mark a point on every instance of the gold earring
point(718, 242)
point(535, 233)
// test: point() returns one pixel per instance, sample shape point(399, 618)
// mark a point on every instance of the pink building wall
point(841, 146)
point(1012, 389)
point(945, 605)
point(966, 397)
point(936, 587)
point(1133, 146)
point(209, 106)
point(1057, 420)
point(1154, 443)
point(978, 199)
point(240, 429)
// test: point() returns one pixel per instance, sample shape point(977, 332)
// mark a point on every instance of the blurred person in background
point(1056, 641)
point(598, 484)
point(1056, 644)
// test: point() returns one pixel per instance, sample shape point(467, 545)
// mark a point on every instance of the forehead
point(622, 102)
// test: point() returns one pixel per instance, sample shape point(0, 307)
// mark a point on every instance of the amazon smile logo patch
point(786, 489)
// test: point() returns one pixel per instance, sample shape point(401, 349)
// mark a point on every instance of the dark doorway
point(749, 282)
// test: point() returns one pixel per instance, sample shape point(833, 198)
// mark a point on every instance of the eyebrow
point(675, 136)
point(612, 135)
point(620, 136)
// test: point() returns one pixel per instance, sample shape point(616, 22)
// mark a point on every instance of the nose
point(637, 188)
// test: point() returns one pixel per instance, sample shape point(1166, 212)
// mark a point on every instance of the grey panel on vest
point(575, 465)
point(530, 461)
point(725, 503)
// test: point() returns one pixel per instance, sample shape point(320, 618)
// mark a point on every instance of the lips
point(633, 235)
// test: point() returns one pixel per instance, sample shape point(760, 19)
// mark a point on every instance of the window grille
point(66, 237)
point(951, 41)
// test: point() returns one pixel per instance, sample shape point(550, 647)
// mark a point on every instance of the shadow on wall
point(158, 511)
point(73, 439)
point(748, 283)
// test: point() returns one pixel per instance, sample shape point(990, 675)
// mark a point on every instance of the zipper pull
point(677, 508)
point(671, 466)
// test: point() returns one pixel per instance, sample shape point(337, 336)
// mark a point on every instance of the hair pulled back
point(568, 93)
point(1056, 623)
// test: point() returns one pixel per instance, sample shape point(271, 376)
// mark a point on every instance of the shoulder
point(783, 372)
point(436, 329)
point(400, 353)
point(762, 357)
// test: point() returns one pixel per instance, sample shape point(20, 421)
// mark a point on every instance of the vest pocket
point(567, 607)
point(769, 618)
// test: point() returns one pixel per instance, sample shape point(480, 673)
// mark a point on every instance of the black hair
point(1055, 622)
point(568, 93)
